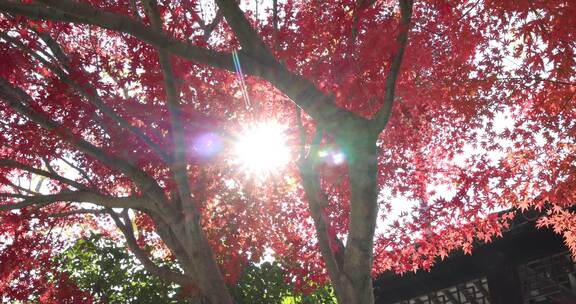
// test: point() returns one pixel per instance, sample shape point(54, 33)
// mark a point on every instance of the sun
point(261, 149)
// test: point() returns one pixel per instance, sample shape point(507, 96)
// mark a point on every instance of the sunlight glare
point(261, 149)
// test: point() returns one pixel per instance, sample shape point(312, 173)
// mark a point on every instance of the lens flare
point(207, 145)
point(261, 150)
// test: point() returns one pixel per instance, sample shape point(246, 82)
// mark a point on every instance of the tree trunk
point(209, 276)
point(356, 275)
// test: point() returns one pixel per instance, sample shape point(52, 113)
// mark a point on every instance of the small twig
point(18, 188)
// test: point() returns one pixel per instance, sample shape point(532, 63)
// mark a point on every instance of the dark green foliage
point(111, 274)
point(261, 284)
point(266, 283)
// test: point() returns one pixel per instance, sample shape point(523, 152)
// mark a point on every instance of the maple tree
point(134, 107)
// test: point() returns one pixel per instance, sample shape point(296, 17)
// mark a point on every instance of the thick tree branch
point(14, 195)
point(178, 165)
point(159, 271)
point(78, 212)
point(133, 202)
point(331, 247)
point(381, 118)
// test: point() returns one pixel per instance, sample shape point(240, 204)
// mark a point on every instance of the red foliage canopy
point(136, 105)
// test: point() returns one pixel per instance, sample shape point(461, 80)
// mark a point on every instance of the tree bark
point(361, 150)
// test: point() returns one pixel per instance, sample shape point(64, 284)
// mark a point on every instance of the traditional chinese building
point(526, 266)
